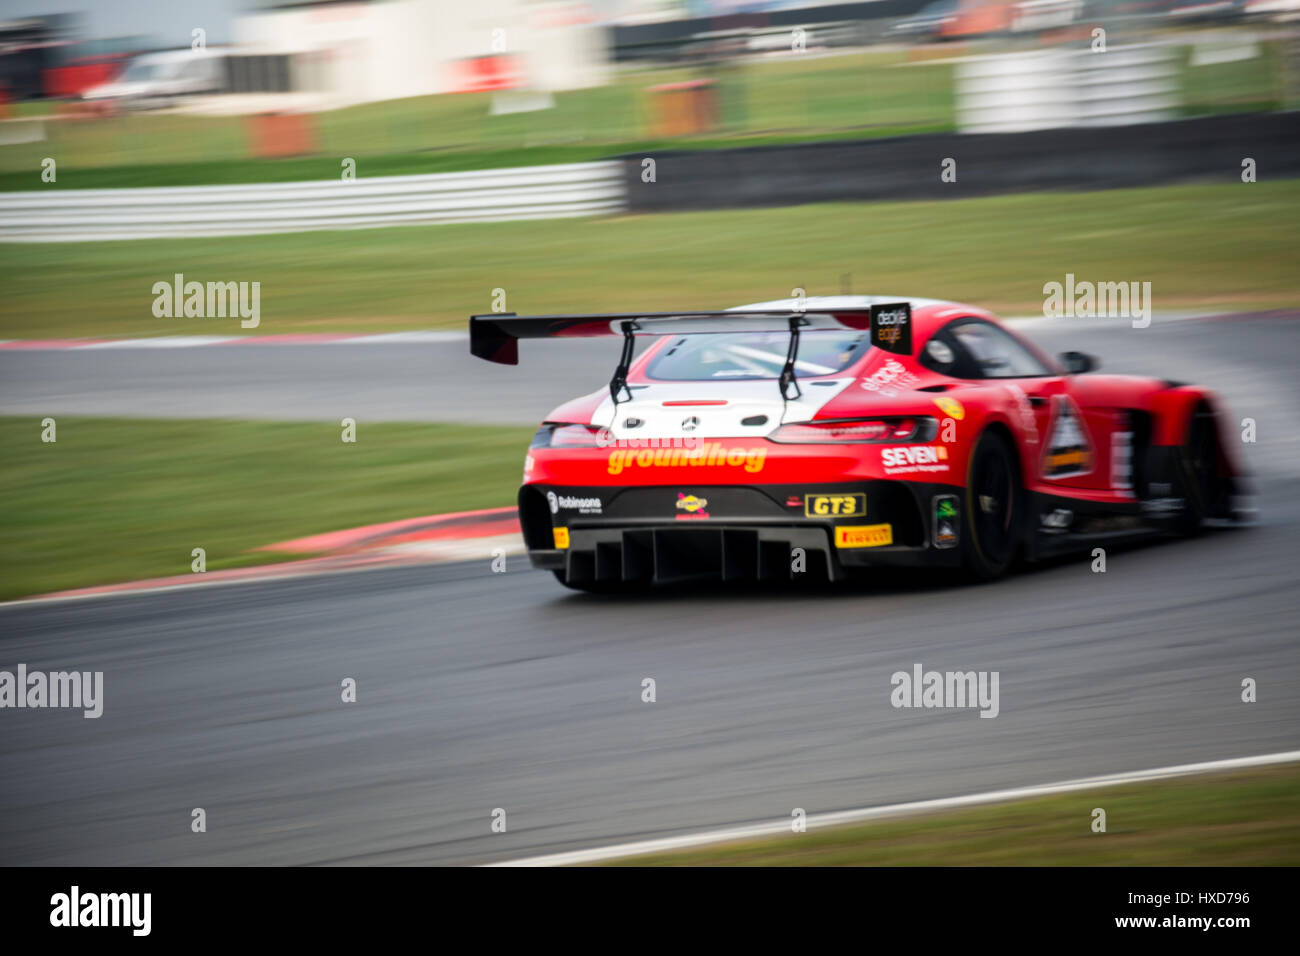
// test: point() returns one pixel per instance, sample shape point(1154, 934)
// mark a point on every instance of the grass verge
point(1247, 818)
point(1201, 247)
point(123, 499)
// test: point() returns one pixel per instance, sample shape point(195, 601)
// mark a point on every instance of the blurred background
point(436, 84)
point(515, 115)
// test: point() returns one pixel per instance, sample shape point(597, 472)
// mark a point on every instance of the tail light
point(559, 435)
point(857, 431)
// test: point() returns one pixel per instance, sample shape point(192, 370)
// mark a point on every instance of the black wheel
point(993, 508)
point(1198, 469)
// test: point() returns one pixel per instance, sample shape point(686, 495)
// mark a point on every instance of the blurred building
point(356, 51)
point(28, 48)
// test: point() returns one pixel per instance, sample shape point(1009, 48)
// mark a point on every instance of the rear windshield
point(747, 355)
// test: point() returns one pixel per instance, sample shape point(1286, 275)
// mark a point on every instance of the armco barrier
point(909, 167)
point(533, 192)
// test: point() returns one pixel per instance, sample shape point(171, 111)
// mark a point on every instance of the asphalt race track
point(379, 380)
point(479, 690)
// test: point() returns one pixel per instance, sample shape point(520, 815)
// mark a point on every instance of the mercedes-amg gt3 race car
point(822, 435)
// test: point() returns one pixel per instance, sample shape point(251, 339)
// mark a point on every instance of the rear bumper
point(668, 533)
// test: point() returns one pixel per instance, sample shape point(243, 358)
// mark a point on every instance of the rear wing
point(496, 336)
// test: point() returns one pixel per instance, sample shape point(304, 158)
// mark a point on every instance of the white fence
point(531, 192)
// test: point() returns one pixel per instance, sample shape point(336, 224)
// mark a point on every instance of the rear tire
point(1198, 470)
point(994, 509)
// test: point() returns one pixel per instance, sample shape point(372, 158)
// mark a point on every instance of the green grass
point(123, 499)
point(855, 95)
point(1237, 86)
point(1201, 247)
point(1250, 818)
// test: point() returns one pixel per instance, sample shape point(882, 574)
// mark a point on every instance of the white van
point(159, 79)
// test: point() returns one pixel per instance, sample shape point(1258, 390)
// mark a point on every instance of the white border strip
point(643, 847)
point(158, 342)
point(443, 336)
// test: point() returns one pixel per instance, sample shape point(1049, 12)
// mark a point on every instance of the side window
point(945, 355)
point(995, 353)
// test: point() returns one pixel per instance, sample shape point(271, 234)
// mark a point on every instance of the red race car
point(818, 436)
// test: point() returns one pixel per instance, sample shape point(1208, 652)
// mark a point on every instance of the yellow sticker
point(561, 537)
point(864, 536)
point(951, 407)
point(853, 505)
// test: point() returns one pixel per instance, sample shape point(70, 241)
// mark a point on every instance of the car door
point(1068, 438)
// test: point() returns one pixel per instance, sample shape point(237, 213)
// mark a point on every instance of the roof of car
point(927, 314)
point(176, 56)
point(813, 303)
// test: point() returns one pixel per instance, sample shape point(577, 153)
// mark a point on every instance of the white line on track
point(404, 338)
point(621, 850)
point(160, 342)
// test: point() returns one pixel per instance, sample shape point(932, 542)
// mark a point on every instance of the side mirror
point(1077, 363)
